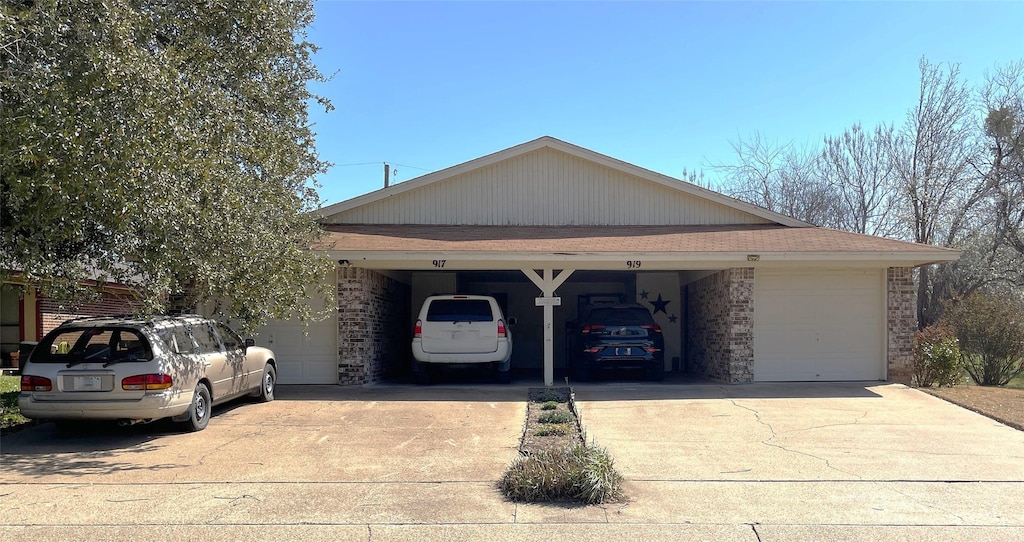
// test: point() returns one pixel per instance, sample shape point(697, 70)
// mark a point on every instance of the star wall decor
point(659, 305)
point(643, 294)
point(672, 319)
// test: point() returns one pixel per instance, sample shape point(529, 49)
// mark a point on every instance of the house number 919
point(439, 263)
point(633, 264)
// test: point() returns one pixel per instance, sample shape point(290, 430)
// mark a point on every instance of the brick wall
point(373, 326)
point(52, 313)
point(901, 323)
point(720, 326)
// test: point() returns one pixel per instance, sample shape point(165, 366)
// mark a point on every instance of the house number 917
point(439, 263)
point(633, 264)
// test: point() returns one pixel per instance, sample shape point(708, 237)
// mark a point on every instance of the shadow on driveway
point(589, 391)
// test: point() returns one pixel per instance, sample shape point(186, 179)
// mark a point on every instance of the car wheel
point(269, 384)
point(199, 410)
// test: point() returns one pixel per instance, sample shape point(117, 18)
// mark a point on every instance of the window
point(229, 338)
point(93, 345)
point(178, 340)
point(206, 339)
point(460, 310)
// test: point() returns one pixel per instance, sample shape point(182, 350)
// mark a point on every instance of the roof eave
point(458, 259)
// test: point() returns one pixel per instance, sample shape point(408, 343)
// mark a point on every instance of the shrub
point(581, 473)
point(550, 405)
point(551, 430)
point(546, 395)
point(937, 357)
point(555, 416)
point(10, 414)
point(991, 334)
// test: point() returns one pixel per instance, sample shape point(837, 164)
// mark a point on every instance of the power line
point(382, 162)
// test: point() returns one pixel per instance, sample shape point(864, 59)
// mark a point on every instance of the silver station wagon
point(142, 369)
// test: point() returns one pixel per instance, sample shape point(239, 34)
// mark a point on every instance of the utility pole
point(387, 175)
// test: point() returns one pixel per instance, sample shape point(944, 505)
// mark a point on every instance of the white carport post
point(547, 286)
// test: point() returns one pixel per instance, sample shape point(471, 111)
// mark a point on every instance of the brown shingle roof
point(596, 239)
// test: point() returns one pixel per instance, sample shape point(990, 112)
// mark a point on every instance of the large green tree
point(164, 145)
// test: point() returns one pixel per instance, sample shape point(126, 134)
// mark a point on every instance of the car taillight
point(655, 327)
point(592, 349)
point(147, 382)
point(417, 330)
point(652, 349)
point(591, 327)
point(35, 383)
point(501, 329)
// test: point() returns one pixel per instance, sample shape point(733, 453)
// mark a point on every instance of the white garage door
point(305, 355)
point(825, 325)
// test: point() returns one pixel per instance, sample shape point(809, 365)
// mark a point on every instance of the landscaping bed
point(556, 463)
point(1005, 405)
point(539, 434)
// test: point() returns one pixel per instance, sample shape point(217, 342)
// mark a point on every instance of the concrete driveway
point(757, 462)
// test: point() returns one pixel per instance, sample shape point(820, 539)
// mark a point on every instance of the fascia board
point(659, 259)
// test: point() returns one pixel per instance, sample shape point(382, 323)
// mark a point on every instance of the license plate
point(88, 383)
point(623, 351)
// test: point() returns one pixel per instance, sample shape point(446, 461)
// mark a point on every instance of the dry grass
point(1005, 405)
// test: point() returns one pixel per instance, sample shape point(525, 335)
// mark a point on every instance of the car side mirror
point(250, 342)
point(512, 321)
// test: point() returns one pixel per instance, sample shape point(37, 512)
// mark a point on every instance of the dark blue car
point(616, 337)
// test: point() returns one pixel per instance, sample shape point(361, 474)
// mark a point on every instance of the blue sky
point(663, 85)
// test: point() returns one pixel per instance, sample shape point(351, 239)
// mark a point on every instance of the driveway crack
point(929, 505)
point(768, 441)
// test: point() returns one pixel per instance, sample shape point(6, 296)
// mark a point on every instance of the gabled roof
point(573, 150)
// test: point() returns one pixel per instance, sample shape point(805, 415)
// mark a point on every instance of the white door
point(818, 325)
point(305, 354)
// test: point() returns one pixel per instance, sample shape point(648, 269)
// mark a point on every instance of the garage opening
point(809, 325)
point(663, 293)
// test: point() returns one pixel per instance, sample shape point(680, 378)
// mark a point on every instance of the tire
point(199, 410)
point(268, 384)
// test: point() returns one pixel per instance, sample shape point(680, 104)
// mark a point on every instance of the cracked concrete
point(746, 463)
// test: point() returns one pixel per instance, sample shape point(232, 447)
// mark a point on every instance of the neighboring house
point(743, 294)
point(27, 315)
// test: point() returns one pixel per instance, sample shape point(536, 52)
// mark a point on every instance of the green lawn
point(10, 387)
point(1017, 382)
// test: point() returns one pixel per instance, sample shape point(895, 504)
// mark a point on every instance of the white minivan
point(461, 330)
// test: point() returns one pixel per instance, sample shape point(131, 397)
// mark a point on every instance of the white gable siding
point(545, 187)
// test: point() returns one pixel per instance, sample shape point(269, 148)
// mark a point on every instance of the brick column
point(720, 325)
point(741, 329)
point(373, 317)
point(901, 323)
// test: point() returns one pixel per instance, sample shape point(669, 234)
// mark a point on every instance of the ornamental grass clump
point(579, 473)
point(555, 416)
